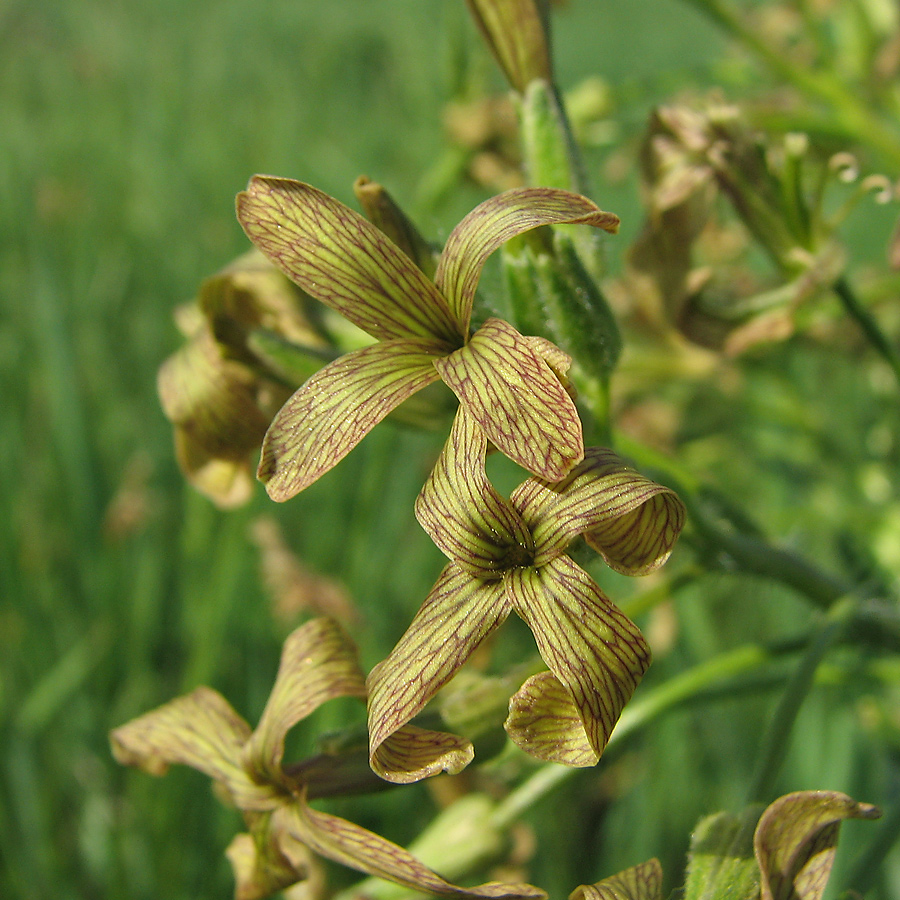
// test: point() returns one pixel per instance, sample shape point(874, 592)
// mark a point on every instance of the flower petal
point(631, 521)
point(410, 754)
point(200, 730)
point(492, 224)
point(261, 869)
point(339, 258)
point(641, 882)
point(330, 414)
point(318, 663)
point(592, 647)
point(462, 512)
point(228, 483)
point(517, 400)
point(458, 614)
point(796, 838)
point(360, 849)
point(544, 721)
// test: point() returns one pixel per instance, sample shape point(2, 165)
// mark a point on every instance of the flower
point(422, 330)
point(510, 555)
point(202, 730)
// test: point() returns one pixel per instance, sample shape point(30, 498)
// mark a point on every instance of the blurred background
point(126, 129)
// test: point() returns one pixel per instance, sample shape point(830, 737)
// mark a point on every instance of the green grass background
point(126, 128)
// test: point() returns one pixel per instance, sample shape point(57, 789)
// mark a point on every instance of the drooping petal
point(494, 222)
point(458, 614)
point(333, 411)
point(593, 648)
point(462, 512)
point(516, 399)
point(318, 663)
point(544, 721)
point(200, 730)
point(631, 521)
point(360, 849)
point(339, 258)
point(228, 483)
point(641, 882)
point(796, 839)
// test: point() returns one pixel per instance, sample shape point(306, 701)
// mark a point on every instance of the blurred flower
point(422, 329)
point(511, 555)
point(202, 730)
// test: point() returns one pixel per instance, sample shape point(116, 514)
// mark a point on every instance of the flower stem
point(868, 324)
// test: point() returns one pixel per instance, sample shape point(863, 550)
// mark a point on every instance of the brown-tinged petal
point(336, 408)
point(360, 849)
point(631, 521)
point(318, 663)
point(642, 882)
point(592, 647)
point(342, 260)
point(494, 222)
point(200, 730)
point(411, 754)
point(462, 512)
point(544, 721)
point(458, 614)
point(228, 483)
point(796, 838)
point(516, 32)
point(516, 399)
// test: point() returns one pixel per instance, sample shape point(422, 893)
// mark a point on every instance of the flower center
point(516, 556)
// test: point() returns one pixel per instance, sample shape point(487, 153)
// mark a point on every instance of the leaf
point(330, 414)
point(517, 400)
point(355, 847)
point(597, 653)
point(494, 222)
point(318, 663)
point(200, 730)
point(462, 512)
point(629, 519)
point(458, 614)
point(342, 260)
point(641, 882)
point(720, 862)
point(796, 839)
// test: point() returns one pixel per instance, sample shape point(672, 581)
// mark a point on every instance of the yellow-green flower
point(510, 555)
point(422, 330)
point(202, 730)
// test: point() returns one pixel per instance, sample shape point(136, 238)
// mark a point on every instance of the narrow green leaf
point(641, 882)
point(355, 847)
point(458, 614)
point(796, 839)
point(592, 647)
point(318, 663)
point(327, 417)
point(494, 222)
point(200, 730)
point(516, 399)
point(342, 260)
point(632, 521)
point(462, 512)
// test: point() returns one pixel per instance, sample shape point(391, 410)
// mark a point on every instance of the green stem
point(777, 739)
point(869, 325)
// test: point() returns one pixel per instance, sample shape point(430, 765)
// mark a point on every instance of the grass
point(125, 130)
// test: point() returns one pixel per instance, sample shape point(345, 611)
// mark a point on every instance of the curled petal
point(333, 411)
point(360, 849)
point(545, 722)
point(516, 399)
point(228, 483)
point(597, 653)
point(631, 521)
point(492, 224)
point(200, 730)
point(411, 754)
point(462, 512)
point(318, 663)
point(339, 258)
point(796, 838)
point(458, 614)
point(642, 882)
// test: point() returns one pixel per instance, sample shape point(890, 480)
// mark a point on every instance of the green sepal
point(721, 865)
